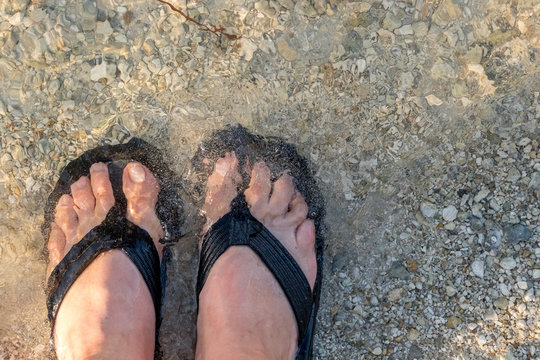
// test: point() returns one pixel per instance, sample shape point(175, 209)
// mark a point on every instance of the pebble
point(534, 183)
point(399, 271)
point(481, 340)
point(476, 224)
point(522, 285)
point(391, 22)
point(285, 50)
point(449, 213)
point(89, 15)
point(536, 274)
point(478, 268)
point(16, 19)
point(508, 263)
point(453, 322)
point(103, 71)
point(104, 28)
point(395, 294)
point(481, 195)
point(413, 334)
point(415, 353)
point(504, 289)
point(428, 209)
point(377, 351)
point(420, 28)
point(501, 303)
point(491, 315)
point(404, 30)
point(433, 100)
point(517, 233)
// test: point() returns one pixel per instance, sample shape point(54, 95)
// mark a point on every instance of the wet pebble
point(478, 268)
point(517, 233)
point(508, 263)
point(449, 213)
point(428, 209)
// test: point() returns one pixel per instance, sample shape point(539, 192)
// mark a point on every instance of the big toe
point(140, 185)
point(56, 247)
point(141, 189)
point(221, 189)
point(65, 217)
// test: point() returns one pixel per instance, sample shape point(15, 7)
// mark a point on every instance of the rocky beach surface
point(421, 119)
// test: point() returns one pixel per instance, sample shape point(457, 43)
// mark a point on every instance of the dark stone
point(353, 42)
point(399, 271)
point(415, 353)
point(516, 233)
point(477, 224)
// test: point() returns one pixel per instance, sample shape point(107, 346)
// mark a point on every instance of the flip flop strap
point(239, 227)
point(135, 242)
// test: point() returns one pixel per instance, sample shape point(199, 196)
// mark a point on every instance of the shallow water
point(384, 115)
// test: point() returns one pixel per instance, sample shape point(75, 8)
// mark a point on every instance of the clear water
point(370, 141)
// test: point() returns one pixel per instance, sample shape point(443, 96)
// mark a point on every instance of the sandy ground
point(421, 119)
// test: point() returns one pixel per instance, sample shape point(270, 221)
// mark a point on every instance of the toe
point(83, 197)
point(102, 189)
point(227, 167)
point(139, 183)
point(141, 189)
point(305, 242)
point(281, 196)
point(56, 245)
point(65, 216)
point(259, 190)
point(298, 211)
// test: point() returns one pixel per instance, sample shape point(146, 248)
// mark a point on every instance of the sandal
point(239, 227)
point(116, 232)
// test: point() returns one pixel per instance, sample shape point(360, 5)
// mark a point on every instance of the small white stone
point(16, 19)
point(478, 268)
point(450, 291)
point(428, 209)
point(491, 315)
point(377, 351)
point(433, 100)
point(508, 263)
point(104, 28)
point(481, 340)
point(101, 71)
point(504, 289)
point(395, 294)
point(449, 213)
point(482, 194)
point(404, 30)
point(536, 274)
point(522, 285)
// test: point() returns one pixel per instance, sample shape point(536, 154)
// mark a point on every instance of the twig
point(210, 28)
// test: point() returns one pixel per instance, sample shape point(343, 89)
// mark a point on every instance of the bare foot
point(108, 311)
point(243, 312)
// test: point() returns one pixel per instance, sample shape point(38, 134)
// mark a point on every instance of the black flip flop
point(238, 227)
point(115, 232)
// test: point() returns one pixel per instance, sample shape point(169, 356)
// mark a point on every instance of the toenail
point(82, 182)
point(136, 173)
point(99, 167)
point(64, 200)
